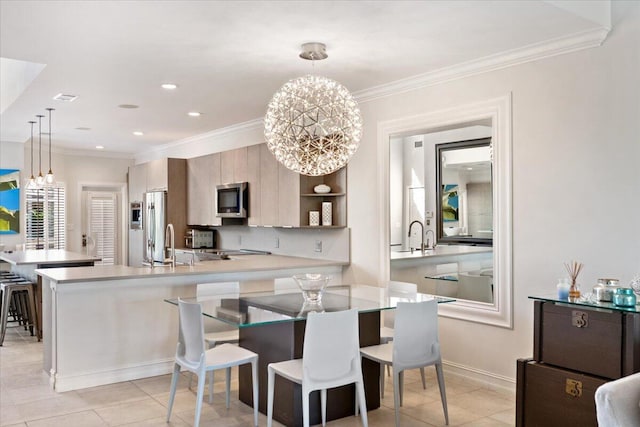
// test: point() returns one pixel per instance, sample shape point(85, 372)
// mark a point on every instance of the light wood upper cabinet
point(268, 188)
point(233, 164)
point(157, 174)
point(203, 174)
point(288, 197)
point(278, 197)
point(137, 182)
point(253, 178)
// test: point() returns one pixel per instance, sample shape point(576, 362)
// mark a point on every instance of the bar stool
point(24, 310)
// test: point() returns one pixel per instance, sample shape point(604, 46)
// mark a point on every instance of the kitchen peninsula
point(107, 324)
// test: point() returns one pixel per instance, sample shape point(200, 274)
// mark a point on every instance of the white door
point(102, 227)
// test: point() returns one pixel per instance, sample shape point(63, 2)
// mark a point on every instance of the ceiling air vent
point(417, 144)
point(65, 97)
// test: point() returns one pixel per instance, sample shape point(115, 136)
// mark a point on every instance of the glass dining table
point(272, 325)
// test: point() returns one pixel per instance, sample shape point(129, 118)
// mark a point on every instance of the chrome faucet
point(172, 257)
point(430, 246)
point(421, 233)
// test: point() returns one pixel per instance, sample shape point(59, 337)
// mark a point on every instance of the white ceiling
point(228, 58)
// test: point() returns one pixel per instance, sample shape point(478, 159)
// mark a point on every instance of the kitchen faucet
point(421, 233)
point(172, 258)
point(433, 246)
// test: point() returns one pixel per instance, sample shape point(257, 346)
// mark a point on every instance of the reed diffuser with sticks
point(573, 268)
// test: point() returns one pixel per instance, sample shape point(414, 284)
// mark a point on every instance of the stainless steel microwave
point(232, 200)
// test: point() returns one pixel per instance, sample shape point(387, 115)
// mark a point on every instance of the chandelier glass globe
point(313, 125)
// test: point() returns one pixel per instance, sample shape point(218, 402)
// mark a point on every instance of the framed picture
point(9, 201)
point(449, 202)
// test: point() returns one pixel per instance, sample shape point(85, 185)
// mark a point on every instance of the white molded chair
point(407, 292)
point(330, 358)
point(192, 356)
point(219, 289)
point(415, 344)
point(618, 402)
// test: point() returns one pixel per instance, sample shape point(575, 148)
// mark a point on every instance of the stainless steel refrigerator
point(155, 222)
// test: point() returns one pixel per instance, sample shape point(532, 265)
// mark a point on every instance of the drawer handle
point(579, 319)
point(573, 388)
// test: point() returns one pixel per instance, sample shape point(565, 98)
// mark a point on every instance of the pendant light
point(32, 181)
point(40, 178)
point(313, 124)
point(49, 179)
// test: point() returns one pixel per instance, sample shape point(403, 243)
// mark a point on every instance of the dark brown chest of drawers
point(576, 349)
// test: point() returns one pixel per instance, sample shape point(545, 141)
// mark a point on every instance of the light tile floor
point(27, 401)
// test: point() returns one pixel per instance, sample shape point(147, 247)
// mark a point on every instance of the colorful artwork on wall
point(9, 201)
point(450, 202)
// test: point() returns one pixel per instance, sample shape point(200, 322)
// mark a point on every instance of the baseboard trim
point(484, 378)
point(93, 379)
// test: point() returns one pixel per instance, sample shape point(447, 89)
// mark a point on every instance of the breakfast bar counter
point(107, 324)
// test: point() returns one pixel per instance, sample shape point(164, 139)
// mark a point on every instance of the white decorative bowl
point(452, 231)
point(322, 189)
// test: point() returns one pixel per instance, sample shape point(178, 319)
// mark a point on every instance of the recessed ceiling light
point(99, 147)
point(169, 86)
point(65, 97)
point(128, 106)
point(469, 169)
point(194, 113)
point(138, 133)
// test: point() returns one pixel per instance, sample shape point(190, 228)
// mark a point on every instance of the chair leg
point(172, 391)
point(323, 405)
point(6, 298)
point(401, 386)
point(228, 389)
point(271, 376)
point(202, 379)
point(32, 311)
point(396, 395)
point(254, 381)
point(362, 402)
point(211, 378)
point(305, 407)
point(443, 394)
point(424, 381)
point(382, 365)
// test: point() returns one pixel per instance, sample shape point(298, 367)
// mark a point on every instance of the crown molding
point(533, 52)
point(216, 133)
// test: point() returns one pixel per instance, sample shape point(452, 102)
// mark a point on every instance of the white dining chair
point(227, 335)
point(192, 356)
point(415, 344)
point(330, 358)
point(219, 289)
point(406, 292)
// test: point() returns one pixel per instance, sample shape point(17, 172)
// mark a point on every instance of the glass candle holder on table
point(312, 286)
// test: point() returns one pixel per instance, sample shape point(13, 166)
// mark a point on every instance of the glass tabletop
point(586, 300)
point(258, 308)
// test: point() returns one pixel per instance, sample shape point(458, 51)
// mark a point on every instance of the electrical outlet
point(318, 245)
point(277, 242)
point(428, 222)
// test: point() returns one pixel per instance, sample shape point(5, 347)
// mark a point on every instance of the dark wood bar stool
point(18, 298)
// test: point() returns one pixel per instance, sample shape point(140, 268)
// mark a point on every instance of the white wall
point(575, 178)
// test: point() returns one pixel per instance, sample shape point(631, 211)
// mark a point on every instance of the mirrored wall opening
point(447, 198)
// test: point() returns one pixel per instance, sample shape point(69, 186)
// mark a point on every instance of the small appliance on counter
point(200, 239)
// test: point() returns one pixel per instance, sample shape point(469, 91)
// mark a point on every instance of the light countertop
point(240, 263)
point(45, 256)
point(441, 251)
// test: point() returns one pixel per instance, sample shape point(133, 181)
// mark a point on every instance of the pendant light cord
point(32, 123)
point(40, 142)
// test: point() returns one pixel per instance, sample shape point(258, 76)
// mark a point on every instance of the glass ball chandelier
point(313, 124)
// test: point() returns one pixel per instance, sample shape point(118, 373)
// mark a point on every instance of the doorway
point(102, 221)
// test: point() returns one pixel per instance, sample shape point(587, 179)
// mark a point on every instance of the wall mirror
point(464, 199)
point(423, 161)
